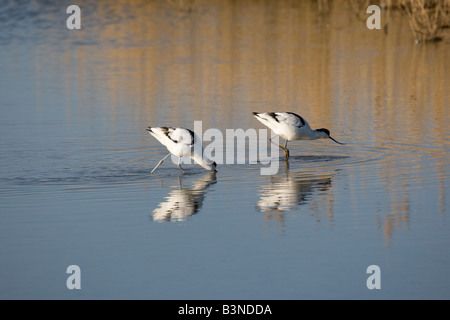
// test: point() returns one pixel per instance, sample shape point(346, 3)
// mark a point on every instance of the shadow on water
point(183, 202)
point(317, 158)
point(103, 176)
point(76, 180)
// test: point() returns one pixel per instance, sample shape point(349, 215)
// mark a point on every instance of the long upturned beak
point(336, 141)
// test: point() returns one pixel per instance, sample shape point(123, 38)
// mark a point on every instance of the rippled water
point(75, 183)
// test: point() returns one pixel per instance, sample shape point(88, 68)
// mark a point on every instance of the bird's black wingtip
point(149, 129)
point(255, 113)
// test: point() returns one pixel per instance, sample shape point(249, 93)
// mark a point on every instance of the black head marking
point(324, 130)
point(328, 134)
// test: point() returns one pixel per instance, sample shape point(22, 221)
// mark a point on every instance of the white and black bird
point(181, 143)
point(291, 126)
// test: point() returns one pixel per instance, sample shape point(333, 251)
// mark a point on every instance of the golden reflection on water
point(173, 62)
point(220, 60)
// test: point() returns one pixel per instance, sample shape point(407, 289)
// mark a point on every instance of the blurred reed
point(428, 19)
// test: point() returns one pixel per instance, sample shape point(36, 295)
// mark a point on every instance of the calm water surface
point(75, 157)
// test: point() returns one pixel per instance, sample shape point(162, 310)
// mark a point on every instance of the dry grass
point(427, 18)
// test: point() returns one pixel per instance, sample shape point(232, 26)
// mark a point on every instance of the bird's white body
point(181, 143)
point(178, 141)
point(289, 126)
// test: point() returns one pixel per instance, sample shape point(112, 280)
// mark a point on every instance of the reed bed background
point(429, 20)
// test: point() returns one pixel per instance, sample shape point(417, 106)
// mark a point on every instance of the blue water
point(75, 182)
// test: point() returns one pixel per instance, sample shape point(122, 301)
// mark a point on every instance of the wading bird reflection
point(286, 192)
point(184, 202)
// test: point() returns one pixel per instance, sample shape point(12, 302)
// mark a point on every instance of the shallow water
point(75, 186)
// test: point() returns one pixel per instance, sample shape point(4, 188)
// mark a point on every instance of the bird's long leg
point(286, 151)
point(179, 165)
point(162, 160)
point(273, 138)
